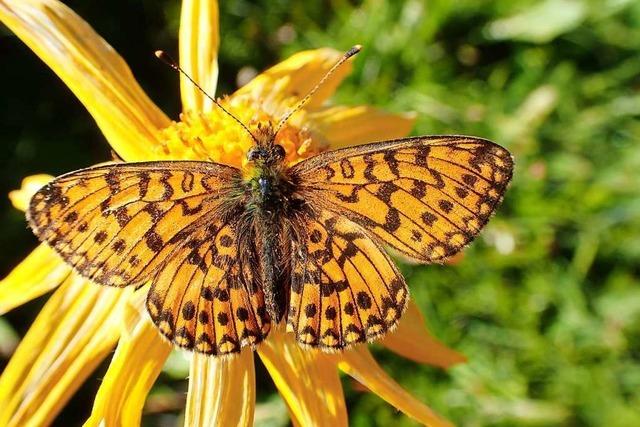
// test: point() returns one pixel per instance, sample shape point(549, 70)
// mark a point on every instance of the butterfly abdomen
point(270, 203)
point(273, 255)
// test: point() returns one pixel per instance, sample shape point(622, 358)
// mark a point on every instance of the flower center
point(214, 136)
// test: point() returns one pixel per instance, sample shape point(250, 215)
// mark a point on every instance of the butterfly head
point(266, 152)
point(266, 155)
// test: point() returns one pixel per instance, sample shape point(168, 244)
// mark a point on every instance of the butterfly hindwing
point(427, 197)
point(344, 288)
point(206, 297)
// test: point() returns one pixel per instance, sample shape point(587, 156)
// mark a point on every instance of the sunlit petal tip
point(412, 340)
point(307, 380)
point(221, 391)
point(360, 365)
point(92, 69)
point(282, 85)
point(345, 126)
point(199, 42)
point(20, 198)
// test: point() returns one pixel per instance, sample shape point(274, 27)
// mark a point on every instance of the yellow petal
point(222, 391)
point(412, 340)
point(307, 380)
point(282, 85)
point(199, 41)
point(136, 364)
point(30, 184)
point(95, 73)
point(344, 126)
point(41, 271)
point(360, 364)
point(73, 333)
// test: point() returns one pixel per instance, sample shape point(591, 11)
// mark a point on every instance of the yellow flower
point(81, 322)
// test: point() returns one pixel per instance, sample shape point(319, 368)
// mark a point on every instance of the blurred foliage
point(546, 304)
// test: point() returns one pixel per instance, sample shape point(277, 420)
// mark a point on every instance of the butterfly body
point(266, 215)
point(229, 253)
point(270, 199)
point(270, 190)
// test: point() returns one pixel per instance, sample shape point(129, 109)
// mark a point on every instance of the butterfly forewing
point(206, 297)
point(427, 196)
point(344, 288)
point(112, 221)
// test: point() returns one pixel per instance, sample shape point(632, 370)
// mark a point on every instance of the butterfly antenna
point(351, 52)
point(167, 59)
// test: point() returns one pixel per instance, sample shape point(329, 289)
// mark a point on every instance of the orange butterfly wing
point(427, 197)
point(114, 223)
point(171, 223)
point(206, 296)
point(344, 288)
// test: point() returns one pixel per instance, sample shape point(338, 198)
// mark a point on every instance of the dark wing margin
point(427, 197)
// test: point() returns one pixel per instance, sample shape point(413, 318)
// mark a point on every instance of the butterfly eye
point(253, 155)
point(278, 151)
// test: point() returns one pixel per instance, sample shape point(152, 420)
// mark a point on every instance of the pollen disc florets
point(215, 136)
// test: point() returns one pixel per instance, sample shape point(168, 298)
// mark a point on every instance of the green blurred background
point(545, 304)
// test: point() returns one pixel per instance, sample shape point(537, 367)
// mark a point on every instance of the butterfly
point(229, 256)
